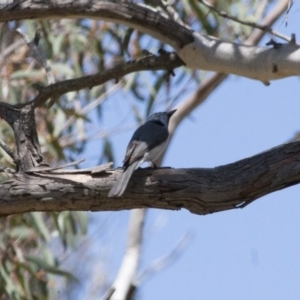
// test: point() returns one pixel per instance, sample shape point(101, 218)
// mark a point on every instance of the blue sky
point(252, 253)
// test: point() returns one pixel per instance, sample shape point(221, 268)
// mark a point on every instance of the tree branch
point(138, 16)
point(196, 50)
point(264, 64)
point(9, 151)
point(151, 62)
point(264, 28)
point(201, 191)
point(210, 84)
point(36, 53)
point(21, 120)
point(125, 284)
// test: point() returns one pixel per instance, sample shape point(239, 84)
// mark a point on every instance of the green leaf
point(40, 226)
point(27, 74)
point(63, 70)
point(51, 269)
point(83, 221)
point(202, 16)
point(20, 232)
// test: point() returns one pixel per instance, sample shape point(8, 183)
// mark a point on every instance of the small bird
point(147, 144)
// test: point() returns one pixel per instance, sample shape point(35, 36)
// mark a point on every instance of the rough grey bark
point(22, 121)
point(201, 191)
point(198, 51)
point(165, 61)
point(128, 13)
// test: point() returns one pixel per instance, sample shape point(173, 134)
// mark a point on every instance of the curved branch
point(261, 63)
point(210, 84)
point(201, 191)
point(196, 50)
point(167, 61)
point(137, 16)
point(264, 28)
point(9, 151)
point(246, 60)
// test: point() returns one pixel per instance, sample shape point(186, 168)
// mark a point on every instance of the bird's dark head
point(162, 117)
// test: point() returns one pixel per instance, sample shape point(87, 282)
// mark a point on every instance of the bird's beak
point(171, 112)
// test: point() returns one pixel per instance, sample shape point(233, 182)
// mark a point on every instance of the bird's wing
point(145, 138)
point(135, 151)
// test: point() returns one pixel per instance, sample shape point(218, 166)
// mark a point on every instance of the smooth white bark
point(262, 63)
point(196, 50)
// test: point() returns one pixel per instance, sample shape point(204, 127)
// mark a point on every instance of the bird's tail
point(119, 187)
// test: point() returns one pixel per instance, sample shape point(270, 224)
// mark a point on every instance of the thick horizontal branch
point(138, 16)
point(166, 61)
point(261, 63)
point(196, 50)
point(201, 191)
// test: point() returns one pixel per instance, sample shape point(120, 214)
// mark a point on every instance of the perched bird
point(147, 144)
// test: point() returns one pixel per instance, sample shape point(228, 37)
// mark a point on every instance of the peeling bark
point(201, 191)
point(22, 121)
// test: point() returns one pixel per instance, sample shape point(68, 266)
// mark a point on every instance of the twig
point(36, 53)
point(9, 151)
point(94, 170)
point(210, 84)
point(92, 105)
point(7, 171)
point(285, 20)
point(163, 262)
point(11, 48)
point(247, 23)
point(70, 140)
point(151, 62)
point(169, 10)
point(39, 169)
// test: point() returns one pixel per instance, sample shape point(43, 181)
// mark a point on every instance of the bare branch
point(86, 109)
point(210, 84)
point(248, 61)
point(196, 50)
point(247, 23)
point(9, 49)
point(36, 53)
point(150, 62)
point(42, 169)
point(163, 262)
point(21, 120)
point(201, 191)
point(9, 151)
point(128, 13)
